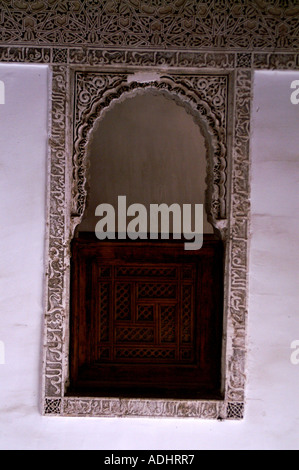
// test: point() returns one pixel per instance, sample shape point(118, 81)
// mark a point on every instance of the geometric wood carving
point(146, 319)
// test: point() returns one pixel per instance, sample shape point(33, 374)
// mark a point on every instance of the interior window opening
point(146, 313)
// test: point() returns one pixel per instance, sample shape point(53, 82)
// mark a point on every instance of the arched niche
point(138, 309)
point(208, 98)
point(97, 96)
point(149, 149)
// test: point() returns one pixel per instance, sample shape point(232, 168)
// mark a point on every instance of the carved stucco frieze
point(55, 320)
point(239, 217)
point(143, 407)
point(222, 24)
point(150, 58)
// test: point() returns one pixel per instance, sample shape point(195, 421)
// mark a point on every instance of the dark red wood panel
point(146, 318)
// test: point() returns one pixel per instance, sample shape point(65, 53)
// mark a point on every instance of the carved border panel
point(55, 317)
point(62, 216)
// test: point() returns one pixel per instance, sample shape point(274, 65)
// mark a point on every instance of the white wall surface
point(272, 409)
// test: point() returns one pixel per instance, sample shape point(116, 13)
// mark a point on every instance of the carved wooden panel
point(145, 312)
point(147, 319)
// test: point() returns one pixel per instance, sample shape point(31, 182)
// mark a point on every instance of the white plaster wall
point(272, 410)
